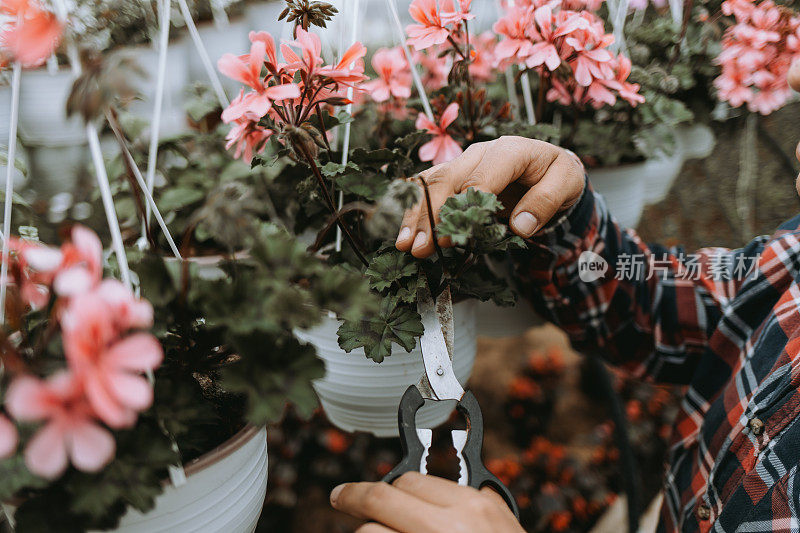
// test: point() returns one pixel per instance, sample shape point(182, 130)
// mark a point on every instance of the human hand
point(415, 503)
point(534, 180)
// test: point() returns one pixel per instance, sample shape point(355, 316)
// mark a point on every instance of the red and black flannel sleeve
point(654, 308)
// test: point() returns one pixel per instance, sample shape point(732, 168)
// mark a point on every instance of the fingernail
point(420, 240)
point(335, 493)
point(524, 224)
point(404, 234)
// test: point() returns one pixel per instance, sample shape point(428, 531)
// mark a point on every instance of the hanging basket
point(623, 188)
point(502, 322)
point(224, 491)
point(358, 394)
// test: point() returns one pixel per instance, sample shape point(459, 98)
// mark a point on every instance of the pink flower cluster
point(566, 44)
point(106, 352)
point(442, 148)
point(273, 91)
point(756, 55)
point(435, 21)
point(31, 33)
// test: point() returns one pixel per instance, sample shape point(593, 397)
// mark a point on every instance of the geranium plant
point(287, 104)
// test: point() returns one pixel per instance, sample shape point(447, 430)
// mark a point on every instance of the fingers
point(372, 527)
point(442, 181)
point(435, 490)
point(559, 188)
point(386, 504)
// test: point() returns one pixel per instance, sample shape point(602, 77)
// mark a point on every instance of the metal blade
point(439, 382)
point(426, 438)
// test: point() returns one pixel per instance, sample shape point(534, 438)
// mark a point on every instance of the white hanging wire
point(527, 97)
point(676, 9)
point(398, 26)
point(216, 84)
point(7, 207)
point(99, 164)
point(155, 124)
point(349, 108)
point(618, 11)
point(176, 473)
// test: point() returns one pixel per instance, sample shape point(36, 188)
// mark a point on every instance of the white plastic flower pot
point(5, 119)
point(263, 16)
point(623, 188)
point(219, 40)
point(660, 172)
point(358, 394)
point(42, 110)
point(697, 141)
point(224, 492)
point(501, 322)
point(176, 82)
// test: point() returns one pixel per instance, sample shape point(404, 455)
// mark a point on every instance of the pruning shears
point(439, 383)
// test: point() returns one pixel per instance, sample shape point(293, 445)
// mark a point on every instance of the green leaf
point(176, 198)
point(467, 215)
point(332, 169)
point(390, 267)
point(15, 476)
point(399, 324)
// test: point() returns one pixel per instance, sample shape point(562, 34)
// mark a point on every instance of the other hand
point(415, 503)
point(534, 180)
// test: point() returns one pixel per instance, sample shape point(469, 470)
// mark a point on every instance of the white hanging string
point(398, 26)
point(99, 164)
point(618, 9)
point(525, 82)
point(201, 50)
point(176, 473)
point(155, 124)
point(349, 108)
point(7, 207)
point(676, 9)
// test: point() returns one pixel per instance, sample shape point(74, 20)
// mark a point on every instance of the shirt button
point(756, 426)
point(703, 512)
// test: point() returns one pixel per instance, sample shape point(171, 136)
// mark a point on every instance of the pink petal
point(8, 437)
point(424, 123)
point(43, 258)
point(448, 150)
point(26, 399)
point(233, 67)
point(282, 92)
point(46, 453)
point(428, 151)
point(89, 245)
point(139, 352)
point(131, 390)
point(91, 446)
point(73, 281)
point(108, 409)
point(352, 54)
point(449, 115)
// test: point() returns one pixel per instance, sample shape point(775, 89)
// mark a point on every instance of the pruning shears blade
point(439, 382)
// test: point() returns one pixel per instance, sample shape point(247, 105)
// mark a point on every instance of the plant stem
point(434, 236)
point(324, 132)
point(329, 201)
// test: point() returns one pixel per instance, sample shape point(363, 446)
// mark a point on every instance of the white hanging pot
point(359, 394)
point(501, 322)
point(263, 16)
point(697, 141)
point(173, 114)
point(218, 40)
point(660, 172)
point(623, 188)
point(224, 492)
point(42, 110)
point(5, 119)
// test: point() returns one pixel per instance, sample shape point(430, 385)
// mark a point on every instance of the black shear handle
point(478, 475)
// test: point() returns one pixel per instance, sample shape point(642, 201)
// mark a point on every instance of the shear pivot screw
point(440, 371)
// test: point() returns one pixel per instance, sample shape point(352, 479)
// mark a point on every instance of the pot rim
point(195, 466)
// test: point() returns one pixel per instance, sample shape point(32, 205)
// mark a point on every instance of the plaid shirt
point(701, 320)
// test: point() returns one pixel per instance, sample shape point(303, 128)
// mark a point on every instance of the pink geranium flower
point(248, 138)
point(111, 367)
point(70, 432)
point(74, 268)
point(442, 148)
point(394, 75)
point(434, 68)
point(481, 67)
point(432, 19)
point(32, 34)
point(350, 69)
point(8, 437)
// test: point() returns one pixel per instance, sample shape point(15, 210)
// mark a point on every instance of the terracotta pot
point(224, 491)
point(358, 394)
